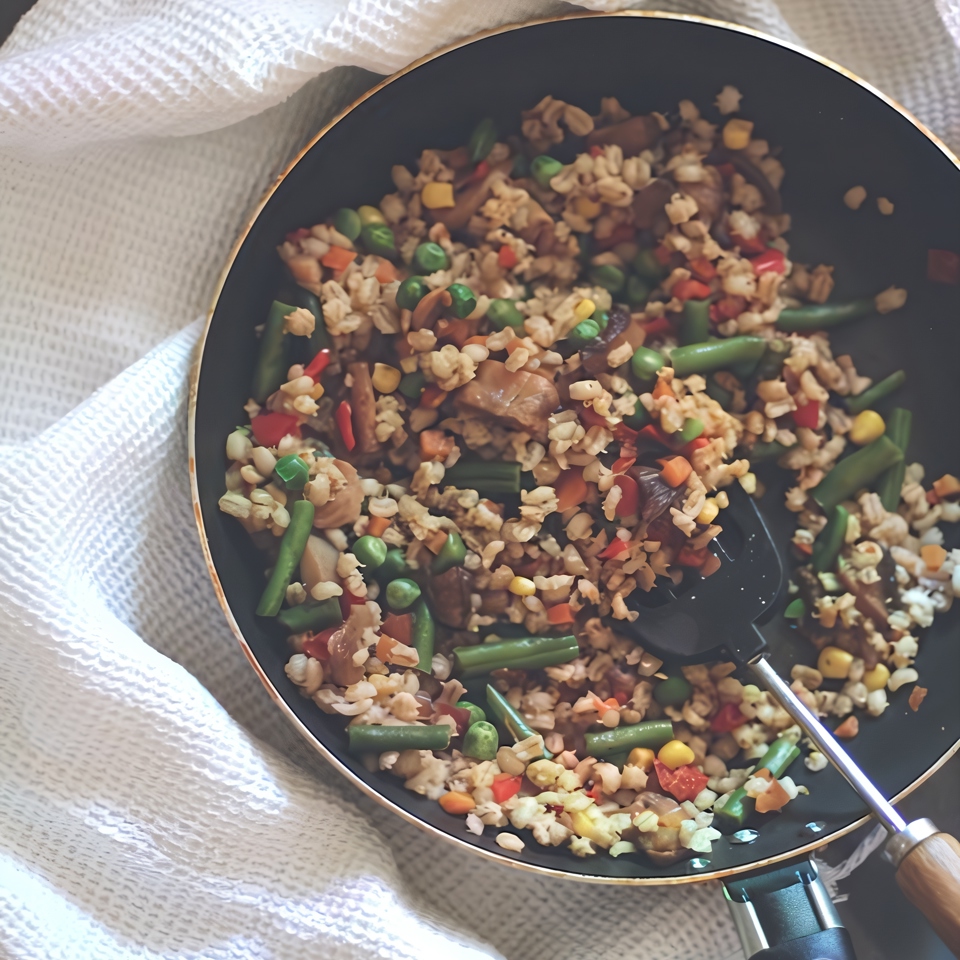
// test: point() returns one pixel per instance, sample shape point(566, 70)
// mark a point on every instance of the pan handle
point(787, 914)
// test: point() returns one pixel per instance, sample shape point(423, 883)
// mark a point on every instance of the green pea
point(395, 565)
point(648, 266)
point(543, 169)
point(370, 551)
point(672, 692)
point(639, 418)
point(481, 741)
point(410, 292)
point(504, 313)
point(378, 239)
point(452, 554)
point(601, 318)
point(476, 713)
point(638, 292)
point(348, 223)
point(402, 593)
point(430, 257)
point(464, 301)
point(368, 214)
point(411, 386)
point(293, 471)
point(583, 333)
point(795, 610)
point(482, 139)
point(645, 364)
point(691, 429)
point(608, 276)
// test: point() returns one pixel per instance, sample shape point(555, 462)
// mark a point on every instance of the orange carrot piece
point(560, 613)
point(386, 271)
point(571, 488)
point(662, 389)
point(457, 803)
point(337, 258)
point(435, 445)
point(710, 565)
point(435, 543)
point(481, 340)
point(933, 556)
point(947, 486)
point(377, 526)
point(675, 470)
point(432, 397)
point(773, 798)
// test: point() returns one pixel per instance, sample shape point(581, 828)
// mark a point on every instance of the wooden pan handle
point(929, 876)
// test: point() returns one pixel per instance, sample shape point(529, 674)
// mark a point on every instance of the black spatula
point(716, 619)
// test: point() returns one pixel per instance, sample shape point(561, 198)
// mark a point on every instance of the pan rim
point(196, 366)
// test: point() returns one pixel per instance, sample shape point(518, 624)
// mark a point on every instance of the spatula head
point(712, 618)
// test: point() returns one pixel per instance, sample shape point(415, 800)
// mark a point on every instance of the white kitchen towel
point(153, 802)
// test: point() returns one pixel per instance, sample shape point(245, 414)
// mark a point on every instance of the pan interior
point(834, 133)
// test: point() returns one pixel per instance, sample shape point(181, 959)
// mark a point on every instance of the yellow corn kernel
point(834, 663)
point(867, 426)
point(641, 757)
point(369, 214)
point(585, 308)
point(876, 679)
point(723, 500)
point(749, 482)
point(675, 754)
point(385, 378)
point(410, 364)
point(316, 391)
point(436, 195)
point(709, 512)
point(583, 826)
point(587, 208)
point(736, 134)
point(522, 587)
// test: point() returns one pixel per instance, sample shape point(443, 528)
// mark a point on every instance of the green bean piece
point(716, 355)
point(523, 653)
point(481, 741)
point(718, 393)
point(695, 322)
point(370, 214)
point(672, 692)
point(430, 257)
point(464, 301)
point(648, 266)
point(402, 592)
point(601, 318)
point(691, 429)
point(761, 451)
point(423, 635)
point(872, 395)
point(855, 472)
point(829, 542)
point(412, 384)
point(733, 814)
point(476, 713)
point(378, 239)
point(819, 316)
point(639, 418)
point(484, 476)
point(292, 545)
point(482, 139)
point(638, 291)
point(301, 297)
point(504, 313)
point(795, 609)
point(543, 169)
point(271, 369)
point(370, 551)
point(521, 166)
point(891, 482)
point(313, 615)
point(293, 471)
point(583, 333)
point(771, 363)
point(452, 554)
point(410, 292)
point(650, 734)
point(608, 276)
point(348, 223)
point(368, 738)
point(645, 363)
point(508, 718)
point(393, 567)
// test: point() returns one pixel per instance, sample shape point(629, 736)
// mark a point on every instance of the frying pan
point(835, 131)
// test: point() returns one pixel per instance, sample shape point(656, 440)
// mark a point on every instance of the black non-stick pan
point(835, 131)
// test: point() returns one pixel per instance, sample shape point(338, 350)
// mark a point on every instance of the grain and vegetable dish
point(492, 409)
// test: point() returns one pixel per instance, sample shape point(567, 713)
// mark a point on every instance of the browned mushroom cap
point(520, 400)
point(345, 506)
point(450, 597)
point(620, 328)
point(364, 405)
point(428, 310)
point(633, 136)
point(469, 201)
point(708, 194)
point(649, 201)
point(346, 642)
point(539, 229)
point(750, 172)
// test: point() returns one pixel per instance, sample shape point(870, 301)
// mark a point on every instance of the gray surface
point(883, 925)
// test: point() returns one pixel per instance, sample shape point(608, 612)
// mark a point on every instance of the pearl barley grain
point(854, 197)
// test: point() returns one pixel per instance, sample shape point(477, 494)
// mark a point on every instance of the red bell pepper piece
point(690, 290)
point(596, 150)
point(630, 496)
point(318, 364)
point(506, 257)
point(749, 245)
point(591, 418)
point(623, 464)
point(770, 261)
point(658, 325)
point(504, 787)
point(613, 549)
point(347, 600)
point(663, 254)
point(621, 697)
point(726, 170)
point(300, 234)
point(344, 418)
point(652, 432)
point(480, 170)
point(624, 434)
point(727, 308)
point(728, 718)
point(807, 415)
point(943, 266)
point(460, 714)
point(702, 269)
point(688, 557)
point(698, 443)
point(317, 646)
point(270, 428)
point(400, 627)
point(684, 783)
